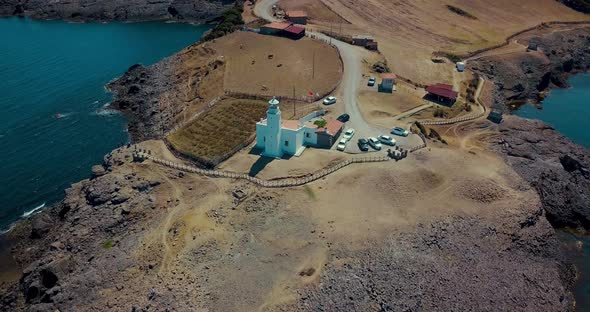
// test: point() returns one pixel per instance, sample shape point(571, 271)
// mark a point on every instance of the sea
point(55, 120)
point(568, 110)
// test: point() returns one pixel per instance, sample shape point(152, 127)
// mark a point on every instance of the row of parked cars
point(376, 143)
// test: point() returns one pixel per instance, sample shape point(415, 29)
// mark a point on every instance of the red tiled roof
point(295, 30)
point(388, 76)
point(290, 124)
point(332, 127)
point(277, 25)
point(296, 13)
point(443, 90)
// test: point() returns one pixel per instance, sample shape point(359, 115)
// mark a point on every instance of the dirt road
point(349, 86)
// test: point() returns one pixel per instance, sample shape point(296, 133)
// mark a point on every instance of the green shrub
point(108, 244)
point(231, 20)
point(321, 123)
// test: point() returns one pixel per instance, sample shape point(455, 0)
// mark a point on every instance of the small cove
point(54, 117)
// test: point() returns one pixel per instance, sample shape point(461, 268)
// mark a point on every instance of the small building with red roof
point(274, 28)
point(294, 32)
point(387, 84)
point(297, 17)
point(442, 93)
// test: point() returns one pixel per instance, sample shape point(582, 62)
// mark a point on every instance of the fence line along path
point(278, 183)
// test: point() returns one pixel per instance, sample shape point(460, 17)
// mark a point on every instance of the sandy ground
point(384, 109)
point(253, 63)
point(275, 242)
point(249, 161)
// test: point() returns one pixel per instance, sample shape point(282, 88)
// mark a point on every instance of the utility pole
point(294, 109)
point(313, 67)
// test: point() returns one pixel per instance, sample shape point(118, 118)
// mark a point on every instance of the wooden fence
point(276, 183)
point(454, 120)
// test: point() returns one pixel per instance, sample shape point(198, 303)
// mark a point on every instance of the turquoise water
point(53, 122)
point(568, 110)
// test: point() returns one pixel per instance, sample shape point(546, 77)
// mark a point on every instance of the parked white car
point(400, 131)
point(329, 100)
point(375, 143)
point(387, 140)
point(341, 145)
point(348, 134)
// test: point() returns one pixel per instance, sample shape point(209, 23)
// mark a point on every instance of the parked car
point(387, 140)
point(343, 118)
point(348, 134)
point(371, 82)
point(400, 131)
point(330, 100)
point(341, 145)
point(363, 145)
point(375, 143)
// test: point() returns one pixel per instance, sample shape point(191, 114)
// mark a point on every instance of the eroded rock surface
point(106, 10)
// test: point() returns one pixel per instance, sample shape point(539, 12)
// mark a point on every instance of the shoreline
point(28, 214)
point(57, 205)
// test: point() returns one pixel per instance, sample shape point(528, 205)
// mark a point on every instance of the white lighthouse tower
point(269, 137)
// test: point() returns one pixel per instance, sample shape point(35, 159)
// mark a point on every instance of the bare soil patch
point(268, 65)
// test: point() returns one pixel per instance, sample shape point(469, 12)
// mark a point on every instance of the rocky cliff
point(106, 10)
point(520, 77)
point(556, 167)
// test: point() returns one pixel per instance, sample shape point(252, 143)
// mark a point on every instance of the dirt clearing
point(268, 65)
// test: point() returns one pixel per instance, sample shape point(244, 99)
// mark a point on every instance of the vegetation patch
point(219, 132)
point(108, 244)
point(321, 123)
point(381, 67)
point(229, 22)
point(460, 11)
point(452, 57)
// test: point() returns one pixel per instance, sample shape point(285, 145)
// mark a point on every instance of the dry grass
point(222, 129)
point(278, 66)
point(409, 31)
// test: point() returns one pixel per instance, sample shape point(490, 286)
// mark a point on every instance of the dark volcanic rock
point(459, 264)
point(578, 5)
point(71, 251)
point(525, 76)
point(123, 10)
point(555, 166)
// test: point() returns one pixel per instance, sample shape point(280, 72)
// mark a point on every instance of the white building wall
point(310, 136)
point(260, 133)
point(273, 133)
point(294, 139)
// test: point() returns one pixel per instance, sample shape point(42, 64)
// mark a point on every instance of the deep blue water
point(568, 110)
point(53, 121)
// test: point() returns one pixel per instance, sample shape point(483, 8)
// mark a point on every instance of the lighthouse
point(268, 136)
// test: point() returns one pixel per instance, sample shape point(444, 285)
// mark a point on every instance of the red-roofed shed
point(442, 93)
point(327, 135)
point(294, 32)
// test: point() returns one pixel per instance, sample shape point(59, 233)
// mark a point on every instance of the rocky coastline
point(197, 11)
point(557, 167)
point(79, 253)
